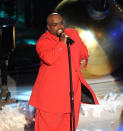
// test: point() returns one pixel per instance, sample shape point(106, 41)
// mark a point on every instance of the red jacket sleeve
point(83, 50)
point(49, 53)
point(84, 53)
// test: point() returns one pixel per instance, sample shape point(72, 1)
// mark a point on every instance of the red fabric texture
point(45, 121)
point(52, 122)
point(51, 91)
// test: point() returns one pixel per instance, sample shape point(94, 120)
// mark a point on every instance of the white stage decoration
point(15, 117)
point(11, 119)
point(105, 116)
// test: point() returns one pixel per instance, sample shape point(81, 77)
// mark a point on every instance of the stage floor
point(108, 116)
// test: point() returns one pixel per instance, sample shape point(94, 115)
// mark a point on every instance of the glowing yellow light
point(87, 37)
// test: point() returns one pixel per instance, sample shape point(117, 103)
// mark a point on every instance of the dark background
point(29, 19)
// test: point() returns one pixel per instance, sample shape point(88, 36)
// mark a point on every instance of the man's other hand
point(83, 62)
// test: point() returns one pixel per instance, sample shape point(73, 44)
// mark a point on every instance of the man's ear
point(48, 27)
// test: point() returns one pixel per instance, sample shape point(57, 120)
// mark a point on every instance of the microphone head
point(59, 32)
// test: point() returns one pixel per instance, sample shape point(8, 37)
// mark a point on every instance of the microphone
point(69, 40)
point(59, 33)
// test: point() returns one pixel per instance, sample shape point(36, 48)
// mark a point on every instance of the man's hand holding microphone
point(64, 37)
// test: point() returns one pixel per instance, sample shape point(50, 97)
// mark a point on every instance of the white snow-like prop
point(110, 103)
point(105, 116)
point(28, 111)
point(11, 118)
point(15, 116)
point(101, 117)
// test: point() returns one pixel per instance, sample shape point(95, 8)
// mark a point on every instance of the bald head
point(54, 23)
point(53, 16)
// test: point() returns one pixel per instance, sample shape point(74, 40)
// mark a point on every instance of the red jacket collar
point(52, 36)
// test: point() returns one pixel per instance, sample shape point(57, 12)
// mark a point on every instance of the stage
point(108, 116)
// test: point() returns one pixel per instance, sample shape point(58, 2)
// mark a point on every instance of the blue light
point(3, 14)
point(121, 28)
point(21, 19)
point(120, 129)
point(114, 34)
point(30, 41)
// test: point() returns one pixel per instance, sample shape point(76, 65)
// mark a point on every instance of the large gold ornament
point(103, 36)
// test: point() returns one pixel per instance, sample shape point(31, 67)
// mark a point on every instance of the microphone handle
point(69, 39)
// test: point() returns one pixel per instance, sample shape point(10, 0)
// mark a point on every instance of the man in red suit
point(51, 92)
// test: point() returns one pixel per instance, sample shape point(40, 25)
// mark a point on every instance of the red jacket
point(51, 89)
